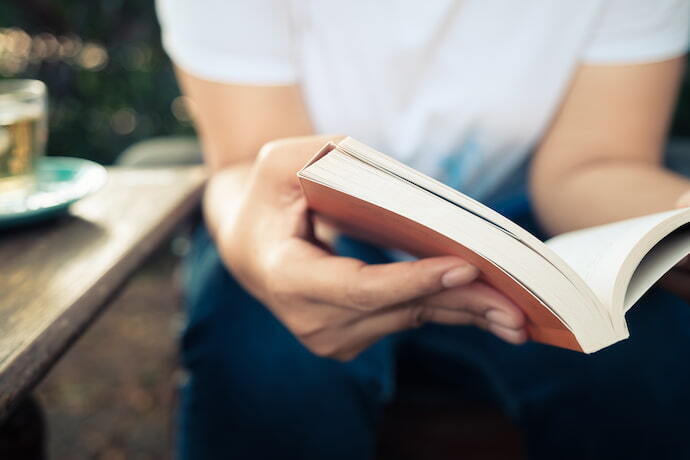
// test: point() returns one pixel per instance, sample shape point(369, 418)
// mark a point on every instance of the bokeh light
point(109, 82)
point(124, 121)
point(180, 108)
point(93, 57)
point(18, 49)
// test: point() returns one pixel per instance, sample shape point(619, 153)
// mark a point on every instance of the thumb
point(350, 282)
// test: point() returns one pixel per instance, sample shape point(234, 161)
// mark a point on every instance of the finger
point(677, 282)
point(351, 338)
point(359, 335)
point(460, 317)
point(373, 327)
point(514, 336)
point(441, 316)
point(452, 317)
point(352, 283)
point(481, 300)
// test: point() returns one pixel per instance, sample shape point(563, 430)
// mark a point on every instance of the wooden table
point(55, 278)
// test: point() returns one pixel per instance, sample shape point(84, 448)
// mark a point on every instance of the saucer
point(58, 183)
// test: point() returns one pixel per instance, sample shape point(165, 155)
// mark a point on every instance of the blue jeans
point(254, 392)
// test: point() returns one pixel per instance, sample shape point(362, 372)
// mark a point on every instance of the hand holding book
point(338, 306)
point(574, 289)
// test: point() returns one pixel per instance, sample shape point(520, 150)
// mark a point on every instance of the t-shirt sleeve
point(244, 42)
point(630, 31)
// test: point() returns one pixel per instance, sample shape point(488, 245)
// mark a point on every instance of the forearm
point(604, 192)
point(234, 122)
point(223, 195)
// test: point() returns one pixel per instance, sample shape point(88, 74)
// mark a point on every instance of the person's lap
point(255, 392)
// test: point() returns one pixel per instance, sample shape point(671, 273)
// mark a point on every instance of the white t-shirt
point(459, 89)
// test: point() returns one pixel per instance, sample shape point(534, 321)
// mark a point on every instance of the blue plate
point(59, 182)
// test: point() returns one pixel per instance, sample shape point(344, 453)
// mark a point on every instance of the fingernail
point(503, 318)
point(514, 336)
point(459, 276)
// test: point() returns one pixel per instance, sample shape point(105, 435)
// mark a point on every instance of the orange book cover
point(368, 222)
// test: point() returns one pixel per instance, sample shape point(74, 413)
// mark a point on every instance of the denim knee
point(250, 379)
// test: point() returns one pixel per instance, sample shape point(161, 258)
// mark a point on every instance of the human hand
point(338, 306)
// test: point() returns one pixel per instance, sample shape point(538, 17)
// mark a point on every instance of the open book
point(574, 289)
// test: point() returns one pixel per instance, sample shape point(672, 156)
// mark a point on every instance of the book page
point(606, 256)
point(659, 260)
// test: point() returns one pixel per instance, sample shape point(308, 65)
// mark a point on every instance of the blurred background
point(111, 85)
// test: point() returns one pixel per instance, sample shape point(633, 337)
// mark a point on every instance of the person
point(557, 110)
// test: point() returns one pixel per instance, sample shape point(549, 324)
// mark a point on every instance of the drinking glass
point(23, 132)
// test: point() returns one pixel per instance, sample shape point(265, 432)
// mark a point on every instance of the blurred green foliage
point(110, 83)
point(109, 80)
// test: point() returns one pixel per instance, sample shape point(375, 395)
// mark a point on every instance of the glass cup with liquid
point(23, 132)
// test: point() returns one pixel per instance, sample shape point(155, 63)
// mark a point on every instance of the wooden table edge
point(24, 373)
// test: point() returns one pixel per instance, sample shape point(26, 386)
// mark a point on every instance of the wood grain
point(55, 278)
